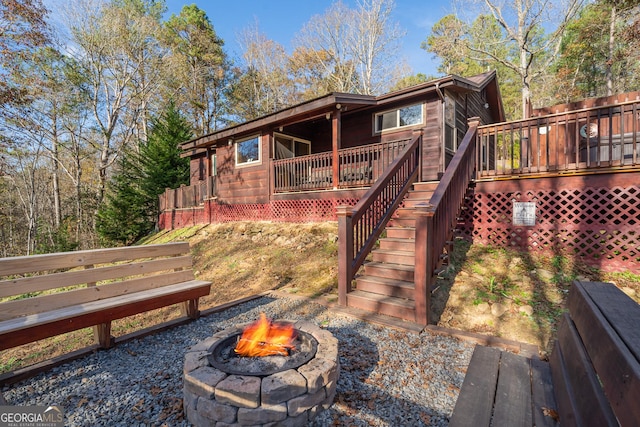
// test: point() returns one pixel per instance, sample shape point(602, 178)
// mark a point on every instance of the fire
point(265, 338)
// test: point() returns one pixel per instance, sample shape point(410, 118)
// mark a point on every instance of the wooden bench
point(46, 295)
point(592, 379)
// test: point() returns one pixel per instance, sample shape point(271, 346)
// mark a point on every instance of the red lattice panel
point(279, 210)
point(308, 210)
point(598, 225)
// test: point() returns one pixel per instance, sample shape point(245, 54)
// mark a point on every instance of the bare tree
point(359, 48)
point(523, 23)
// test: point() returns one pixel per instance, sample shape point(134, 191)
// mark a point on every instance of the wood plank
point(617, 367)
point(590, 402)
point(31, 328)
point(72, 278)
point(28, 264)
point(622, 313)
point(513, 396)
point(475, 401)
point(562, 391)
point(44, 303)
point(544, 405)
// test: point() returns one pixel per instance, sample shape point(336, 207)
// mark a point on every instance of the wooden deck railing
point(357, 167)
point(360, 226)
point(436, 221)
point(598, 137)
point(187, 196)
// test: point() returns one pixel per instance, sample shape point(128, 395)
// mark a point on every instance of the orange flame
point(265, 338)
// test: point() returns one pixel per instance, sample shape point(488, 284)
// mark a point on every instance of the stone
point(194, 360)
point(526, 309)
point(263, 414)
point(318, 372)
point(217, 411)
point(629, 291)
point(483, 308)
point(202, 381)
point(498, 309)
point(239, 390)
point(303, 403)
point(189, 403)
point(330, 390)
point(283, 386)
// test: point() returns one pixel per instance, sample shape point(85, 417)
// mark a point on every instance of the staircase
point(386, 283)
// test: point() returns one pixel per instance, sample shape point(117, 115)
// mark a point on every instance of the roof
point(319, 107)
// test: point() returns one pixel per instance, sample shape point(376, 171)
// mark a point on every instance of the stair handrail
point(436, 220)
point(360, 226)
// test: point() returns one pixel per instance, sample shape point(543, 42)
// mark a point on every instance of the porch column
point(335, 146)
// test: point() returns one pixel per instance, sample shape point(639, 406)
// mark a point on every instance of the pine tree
point(131, 208)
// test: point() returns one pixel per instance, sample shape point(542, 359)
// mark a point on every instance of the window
point(287, 146)
point(405, 116)
point(248, 151)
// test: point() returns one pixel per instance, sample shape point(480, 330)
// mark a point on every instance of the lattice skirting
point(601, 226)
point(278, 210)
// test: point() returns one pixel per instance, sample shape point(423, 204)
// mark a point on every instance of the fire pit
point(289, 386)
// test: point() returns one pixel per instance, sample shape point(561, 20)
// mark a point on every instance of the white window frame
point(292, 138)
point(252, 162)
point(397, 111)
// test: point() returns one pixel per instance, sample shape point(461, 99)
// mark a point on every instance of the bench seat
point(592, 378)
point(25, 329)
point(46, 295)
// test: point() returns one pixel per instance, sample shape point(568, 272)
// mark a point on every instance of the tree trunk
point(609, 65)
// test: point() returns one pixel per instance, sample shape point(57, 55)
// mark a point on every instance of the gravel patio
point(388, 377)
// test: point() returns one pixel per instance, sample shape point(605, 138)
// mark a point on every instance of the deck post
point(335, 146)
point(423, 253)
point(345, 252)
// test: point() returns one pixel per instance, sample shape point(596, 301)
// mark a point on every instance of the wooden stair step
point(390, 271)
point(411, 202)
point(394, 256)
point(400, 244)
point(425, 186)
point(402, 222)
point(401, 232)
point(382, 304)
point(385, 286)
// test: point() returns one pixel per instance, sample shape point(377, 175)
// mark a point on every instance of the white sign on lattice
point(524, 214)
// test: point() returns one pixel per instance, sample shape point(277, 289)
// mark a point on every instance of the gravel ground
point(388, 377)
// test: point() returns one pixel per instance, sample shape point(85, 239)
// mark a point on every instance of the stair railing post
point(423, 253)
point(345, 252)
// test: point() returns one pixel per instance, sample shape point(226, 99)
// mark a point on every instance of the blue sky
point(280, 20)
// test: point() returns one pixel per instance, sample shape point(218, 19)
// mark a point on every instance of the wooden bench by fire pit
point(592, 379)
point(47, 295)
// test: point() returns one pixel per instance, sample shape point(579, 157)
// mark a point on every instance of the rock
point(498, 309)
point(526, 309)
point(483, 307)
point(629, 291)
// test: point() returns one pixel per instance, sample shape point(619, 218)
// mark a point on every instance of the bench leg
point(102, 334)
point(190, 309)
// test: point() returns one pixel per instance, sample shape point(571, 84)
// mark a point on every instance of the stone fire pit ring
point(291, 398)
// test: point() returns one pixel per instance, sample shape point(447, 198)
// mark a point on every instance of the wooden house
point(335, 146)
point(406, 172)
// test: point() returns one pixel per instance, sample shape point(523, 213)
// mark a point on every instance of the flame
point(265, 338)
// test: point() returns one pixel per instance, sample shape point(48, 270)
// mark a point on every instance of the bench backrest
point(596, 360)
point(40, 283)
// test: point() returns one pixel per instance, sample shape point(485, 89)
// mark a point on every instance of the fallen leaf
point(155, 390)
point(551, 413)
point(82, 402)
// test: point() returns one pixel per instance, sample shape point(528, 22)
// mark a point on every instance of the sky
point(280, 20)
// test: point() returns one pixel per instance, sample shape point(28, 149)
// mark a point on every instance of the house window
point(214, 164)
point(406, 116)
point(248, 151)
point(288, 146)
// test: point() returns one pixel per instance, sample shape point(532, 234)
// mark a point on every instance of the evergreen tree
point(122, 218)
point(161, 164)
point(131, 208)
